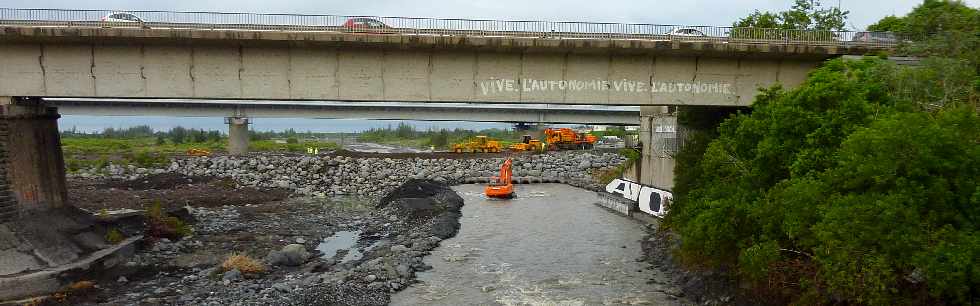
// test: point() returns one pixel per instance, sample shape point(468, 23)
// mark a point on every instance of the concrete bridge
point(208, 56)
point(523, 113)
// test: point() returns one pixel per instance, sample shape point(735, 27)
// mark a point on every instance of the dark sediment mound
point(426, 201)
point(170, 190)
point(161, 181)
point(416, 188)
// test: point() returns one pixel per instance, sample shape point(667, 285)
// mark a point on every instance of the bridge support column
point(658, 133)
point(32, 167)
point(237, 135)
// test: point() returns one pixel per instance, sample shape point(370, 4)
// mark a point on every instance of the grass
point(92, 152)
point(244, 263)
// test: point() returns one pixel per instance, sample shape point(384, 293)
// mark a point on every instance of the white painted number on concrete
point(651, 200)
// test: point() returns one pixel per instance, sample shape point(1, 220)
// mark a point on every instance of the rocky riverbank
point(341, 175)
point(703, 287)
point(311, 251)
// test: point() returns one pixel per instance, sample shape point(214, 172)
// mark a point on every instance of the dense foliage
point(858, 187)
point(804, 15)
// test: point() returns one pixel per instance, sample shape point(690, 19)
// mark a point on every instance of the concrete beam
point(286, 109)
point(461, 40)
point(404, 74)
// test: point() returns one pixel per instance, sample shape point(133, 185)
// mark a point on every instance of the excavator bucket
point(501, 186)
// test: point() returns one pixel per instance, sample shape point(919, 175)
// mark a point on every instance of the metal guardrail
point(442, 27)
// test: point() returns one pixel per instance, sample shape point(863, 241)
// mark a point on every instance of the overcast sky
point(683, 12)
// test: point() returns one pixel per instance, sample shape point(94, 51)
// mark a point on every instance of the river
point(549, 246)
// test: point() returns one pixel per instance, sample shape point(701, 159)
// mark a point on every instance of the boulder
point(294, 255)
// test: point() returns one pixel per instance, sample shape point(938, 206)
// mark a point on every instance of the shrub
point(160, 225)
point(244, 263)
point(113, 236)
point(843, 187)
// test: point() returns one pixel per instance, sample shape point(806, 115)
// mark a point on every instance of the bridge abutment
point(237, 135)
point(31, 159)
point(661, 138)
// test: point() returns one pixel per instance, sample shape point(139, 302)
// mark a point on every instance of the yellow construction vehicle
point(527, 144)
point(480, 144)
point(568, 139)
point(198, 152)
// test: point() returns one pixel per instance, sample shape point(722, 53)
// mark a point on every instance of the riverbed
point(548, 246)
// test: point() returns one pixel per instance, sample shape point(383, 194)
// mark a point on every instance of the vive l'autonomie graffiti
point(498, 86)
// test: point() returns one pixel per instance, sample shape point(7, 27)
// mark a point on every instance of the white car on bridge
point(123, 19)
point(686, 32)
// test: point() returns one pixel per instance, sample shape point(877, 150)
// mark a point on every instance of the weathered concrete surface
point(39, 252)
point(476, 41)
point(35, 166)
point(656, 164)
point(386, 71)
point(346, 110)
point(8, 204)
point(237, 135)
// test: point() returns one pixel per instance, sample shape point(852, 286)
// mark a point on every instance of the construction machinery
point(501, 186)
point(527, 144)
point(568, 139)
point(480, 144)
point(198, 152)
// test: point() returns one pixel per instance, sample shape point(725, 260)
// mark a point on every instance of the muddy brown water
point(549, 246)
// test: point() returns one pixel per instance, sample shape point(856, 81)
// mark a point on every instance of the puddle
point(344, 240)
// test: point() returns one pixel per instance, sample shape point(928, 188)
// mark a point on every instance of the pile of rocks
point(339, 175)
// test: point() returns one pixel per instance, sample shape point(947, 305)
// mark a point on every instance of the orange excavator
point(501, 186)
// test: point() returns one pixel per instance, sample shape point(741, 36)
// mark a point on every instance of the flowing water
point(548, 246)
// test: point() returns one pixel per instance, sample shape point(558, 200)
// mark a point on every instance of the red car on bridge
point(368, 25)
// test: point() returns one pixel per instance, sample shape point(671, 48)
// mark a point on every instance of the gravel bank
point(373, 176)
point(386, 242)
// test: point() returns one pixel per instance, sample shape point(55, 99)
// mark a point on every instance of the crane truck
point(568, 139)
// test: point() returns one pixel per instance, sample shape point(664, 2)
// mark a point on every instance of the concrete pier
point(35, 166)
point(661, 138)
point(237, 135)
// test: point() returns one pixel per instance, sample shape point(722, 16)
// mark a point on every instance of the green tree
point(836, 188)
point(809, 15)
point(178, 134)
point(888, 24)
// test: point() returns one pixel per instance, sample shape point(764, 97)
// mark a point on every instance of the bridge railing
point(443, 27)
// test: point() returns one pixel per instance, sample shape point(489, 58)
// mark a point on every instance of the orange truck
point(568, 139)
point(501, 186)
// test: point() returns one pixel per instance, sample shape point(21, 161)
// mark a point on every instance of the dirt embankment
point(169, 189)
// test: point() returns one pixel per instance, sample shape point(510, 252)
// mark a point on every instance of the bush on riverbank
point(840, 188)
point(859, 187)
